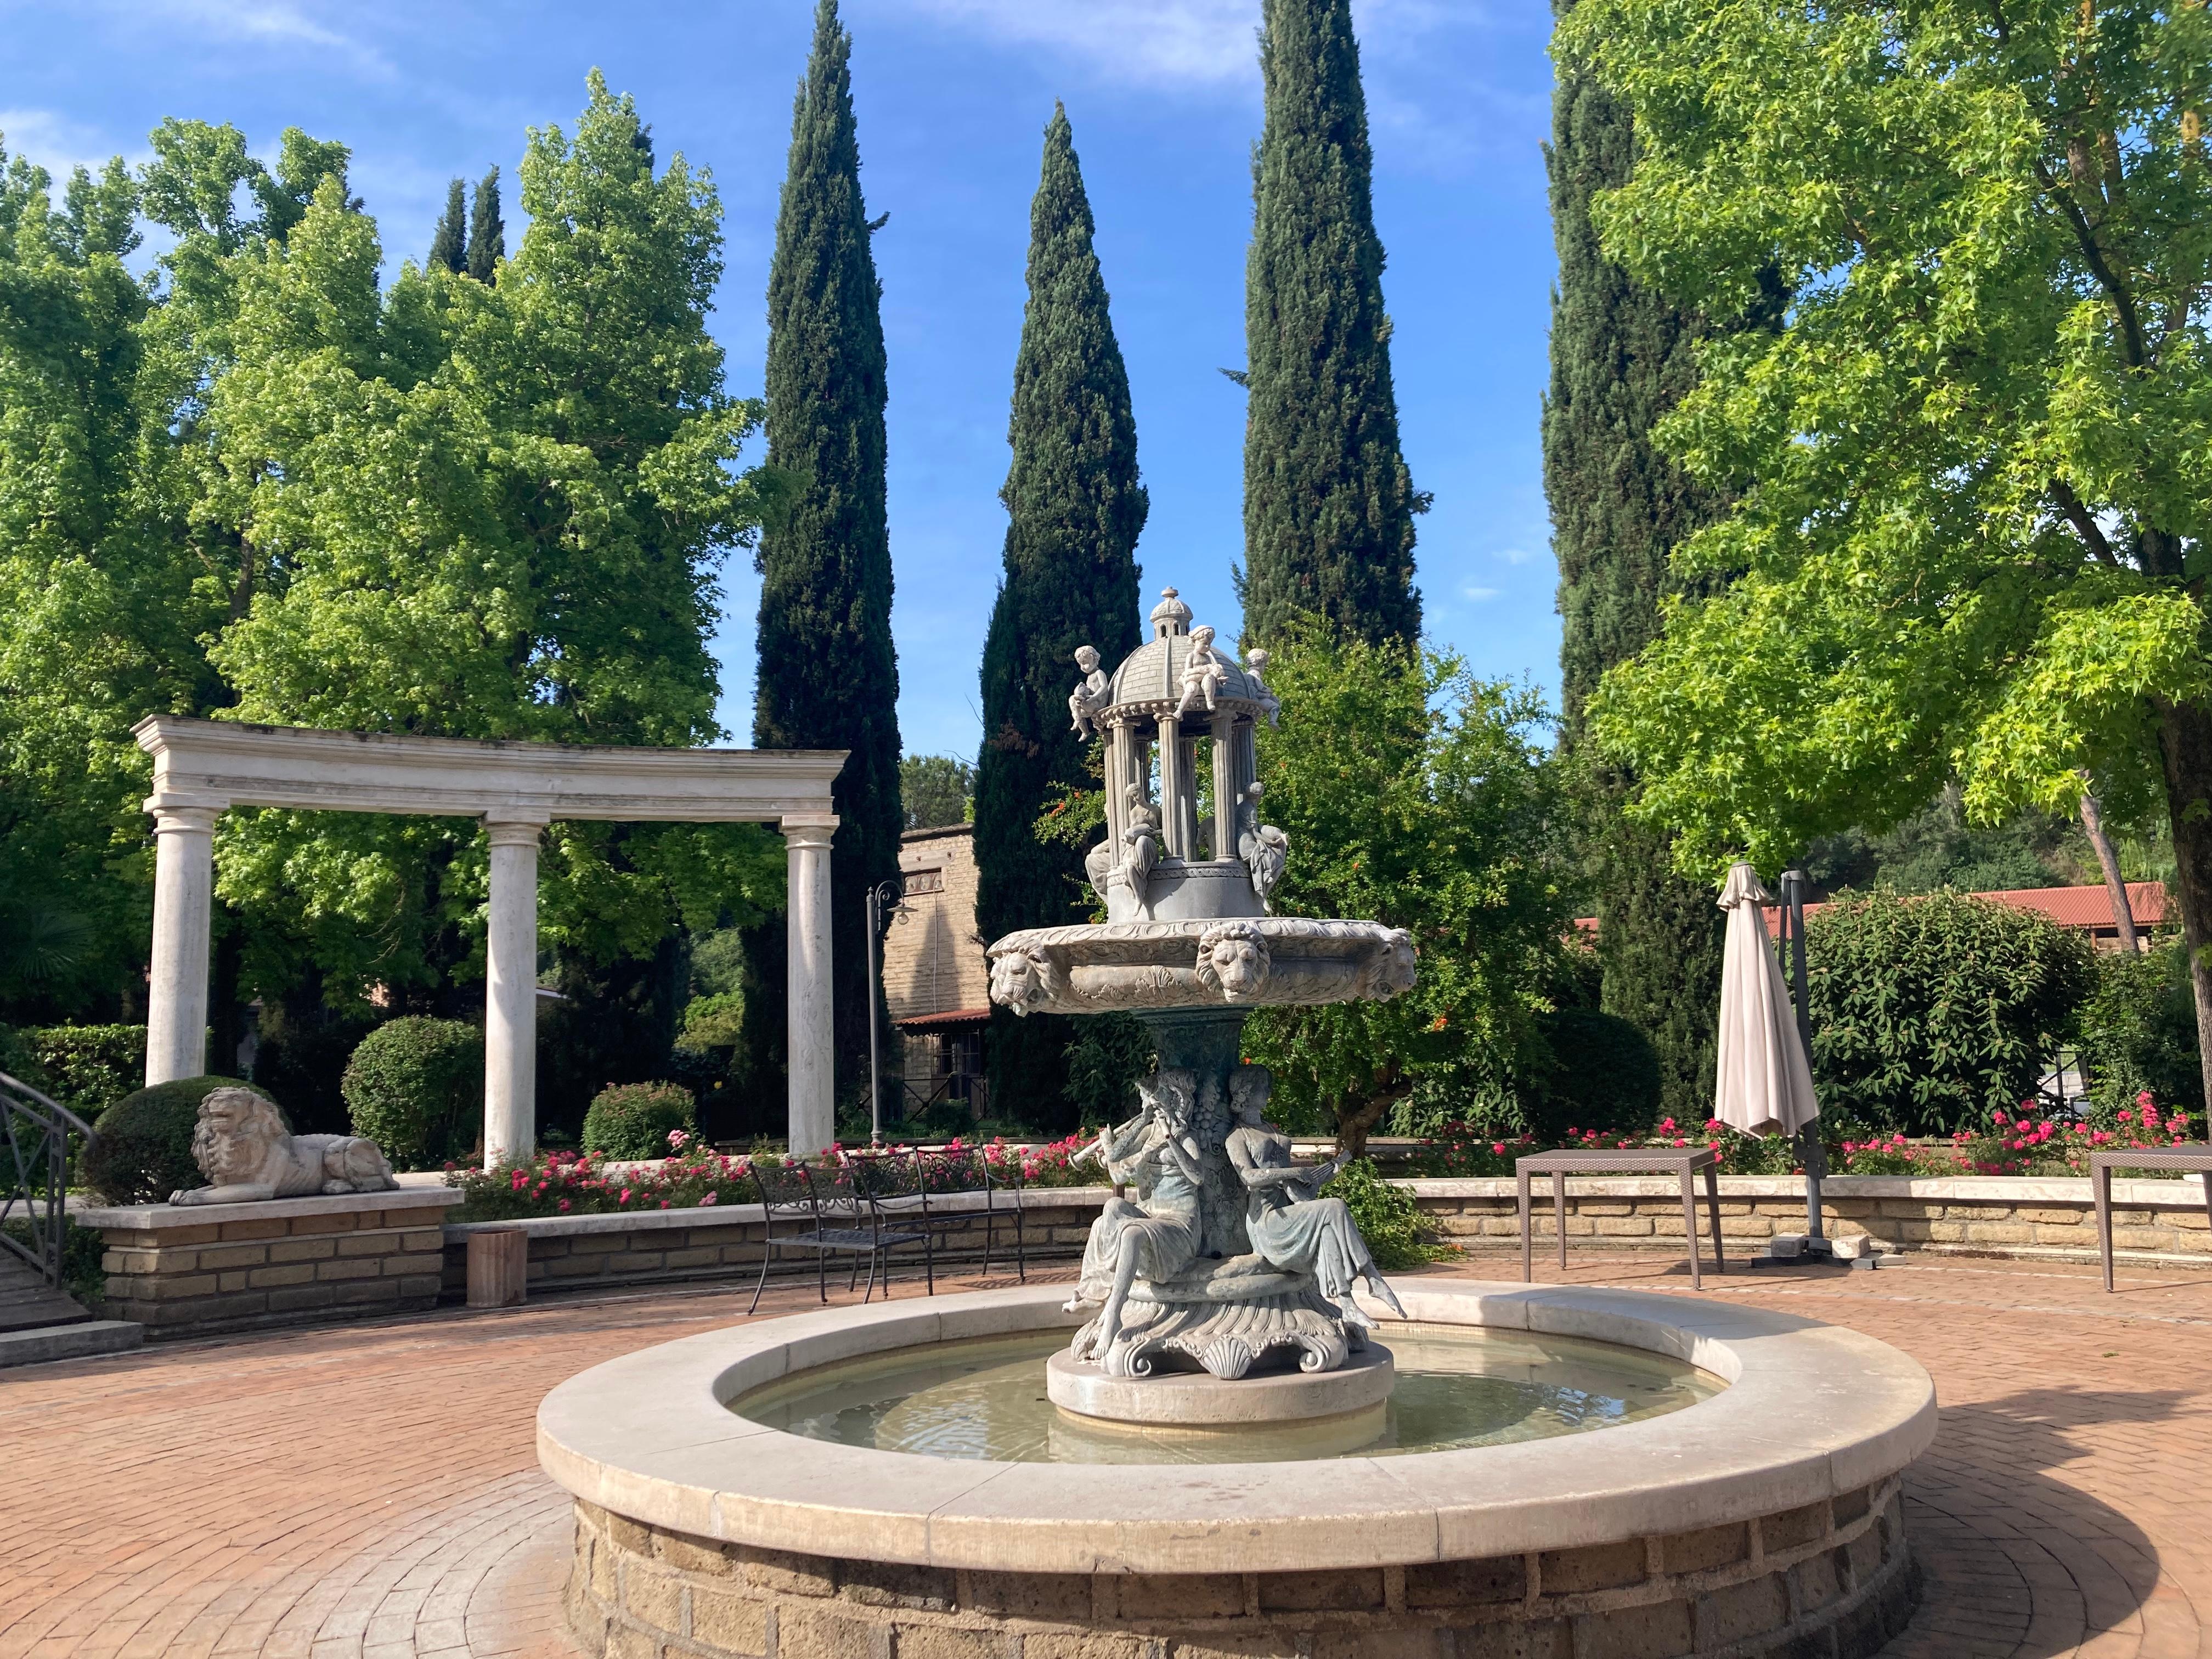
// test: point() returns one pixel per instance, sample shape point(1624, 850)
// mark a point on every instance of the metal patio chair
point(951, 1170)
point(836, 1210)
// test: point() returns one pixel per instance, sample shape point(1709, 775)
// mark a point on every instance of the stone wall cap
point(1811, 1412)
point(2185, 1193)
point(738, 1215)
point(164, 1217)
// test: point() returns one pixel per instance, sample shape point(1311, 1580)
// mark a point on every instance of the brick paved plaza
point(371, 1490)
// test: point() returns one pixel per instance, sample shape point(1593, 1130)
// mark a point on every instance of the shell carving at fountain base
point(1226, 1339)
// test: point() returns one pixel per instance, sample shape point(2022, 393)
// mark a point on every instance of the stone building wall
point(932, 960)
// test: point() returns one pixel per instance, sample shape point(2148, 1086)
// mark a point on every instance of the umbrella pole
point(1811, 1151)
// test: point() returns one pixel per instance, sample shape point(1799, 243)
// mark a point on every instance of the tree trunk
point(2185, 747)
point(2124, 917)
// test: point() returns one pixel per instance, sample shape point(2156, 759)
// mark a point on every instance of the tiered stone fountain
point(1227, 1259)
point(1202, 1451)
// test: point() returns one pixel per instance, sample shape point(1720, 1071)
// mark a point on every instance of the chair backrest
point(784, 1188)
point(882, 1177)
point(838, 1199)
point(947, 1170)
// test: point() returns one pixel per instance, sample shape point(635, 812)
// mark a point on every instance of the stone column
point(810, 1039)
point(1176, 788)
point(1225, 786)
point(511, 993)
point(184, 893)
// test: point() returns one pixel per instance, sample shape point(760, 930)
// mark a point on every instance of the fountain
point(1228, 1258)
point(1205, 1450)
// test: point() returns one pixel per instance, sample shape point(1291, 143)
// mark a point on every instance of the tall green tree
point(487, 231)
point(449, 245)
point(1622, 355)
point(1972, 543)
point(1328, 505)
point(829, 675)
point(1075, 510)
point(1414, 793)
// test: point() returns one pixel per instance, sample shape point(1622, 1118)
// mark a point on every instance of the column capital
point(811, 829)
point(174, 813)
point(513, 832)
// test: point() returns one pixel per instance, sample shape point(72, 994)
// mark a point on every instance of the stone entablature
point(204, 768)
point(197, 1271)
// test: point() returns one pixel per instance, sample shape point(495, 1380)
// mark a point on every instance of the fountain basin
point(1767, 1515)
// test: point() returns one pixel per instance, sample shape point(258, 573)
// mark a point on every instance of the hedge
point(89, 1067)
point(414, 1087)
point(634, 1120)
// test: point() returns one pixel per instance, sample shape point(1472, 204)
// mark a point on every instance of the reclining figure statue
point(241, 1147)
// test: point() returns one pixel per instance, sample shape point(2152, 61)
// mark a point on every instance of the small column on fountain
point(1226, 785)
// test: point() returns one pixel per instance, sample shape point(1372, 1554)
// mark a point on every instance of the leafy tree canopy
point(1973, 462)
point(936, 790)
point(1415, 794)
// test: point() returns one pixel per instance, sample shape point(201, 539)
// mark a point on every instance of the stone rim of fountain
point(1812, 1412)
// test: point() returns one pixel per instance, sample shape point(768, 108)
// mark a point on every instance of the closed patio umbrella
point(1765, 1082)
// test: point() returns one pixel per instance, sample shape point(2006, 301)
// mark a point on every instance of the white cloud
point(1480, 594)
point(54, 142)
point(1514, 555)
point(268, 23)
point(1154, 42)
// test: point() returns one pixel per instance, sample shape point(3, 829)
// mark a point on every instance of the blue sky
point(952, 98)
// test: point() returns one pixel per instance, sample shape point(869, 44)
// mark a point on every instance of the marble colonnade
point(202, 768)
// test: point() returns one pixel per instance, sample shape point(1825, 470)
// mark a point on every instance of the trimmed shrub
point(633, 1119)
point(92, 1066)
point(1604, 1075)
point(1931, 1012)
point(1387, 1217)
point(143, 1149)
point(414, 1087)
point(2138, 1031)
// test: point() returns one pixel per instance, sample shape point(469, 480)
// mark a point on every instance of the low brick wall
point(1834, 1578)
point(200, 1270)
point(2153, 1222)
point(659, 1247)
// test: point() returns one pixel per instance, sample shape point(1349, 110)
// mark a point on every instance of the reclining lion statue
point(240, 1146)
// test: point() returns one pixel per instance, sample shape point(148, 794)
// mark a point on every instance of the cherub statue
point(1091, 695)
point(1255, 664)
point(1291, 1226)
point(1202, 672)
point(1142, 838)
point(1156, 1237)
point(1263, 848)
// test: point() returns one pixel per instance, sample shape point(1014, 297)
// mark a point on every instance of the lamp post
point(886, 901)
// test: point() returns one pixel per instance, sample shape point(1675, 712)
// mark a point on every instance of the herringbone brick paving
point(370, 1491)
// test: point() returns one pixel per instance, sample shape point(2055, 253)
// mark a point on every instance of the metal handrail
point(35, 1129)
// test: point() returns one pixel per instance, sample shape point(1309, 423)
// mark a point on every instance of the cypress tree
point(487, 231)
point(1621, 357)
point(1075, 508)
point(447, 247)
point(1329, 506)
point(829, 678)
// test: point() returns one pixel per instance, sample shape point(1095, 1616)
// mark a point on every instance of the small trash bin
point(498, 1267)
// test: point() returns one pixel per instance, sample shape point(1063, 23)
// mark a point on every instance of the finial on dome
point(1171, 616)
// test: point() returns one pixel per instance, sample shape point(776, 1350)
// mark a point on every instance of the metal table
point(2196, 1158)
point(1684, 1161)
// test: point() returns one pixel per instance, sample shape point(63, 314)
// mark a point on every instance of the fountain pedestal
point(1202, 1400)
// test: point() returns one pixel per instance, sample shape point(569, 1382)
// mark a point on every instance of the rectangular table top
point(2192, 1156)
point(1619, 1157)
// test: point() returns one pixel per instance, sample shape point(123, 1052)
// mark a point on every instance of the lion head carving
point(1390, 970)
point(236, 1132)
point(1233, 959)
point(1020, 979)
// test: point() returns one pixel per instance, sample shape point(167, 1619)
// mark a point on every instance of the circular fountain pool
point(984, 1399)
point(1765, 1515)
